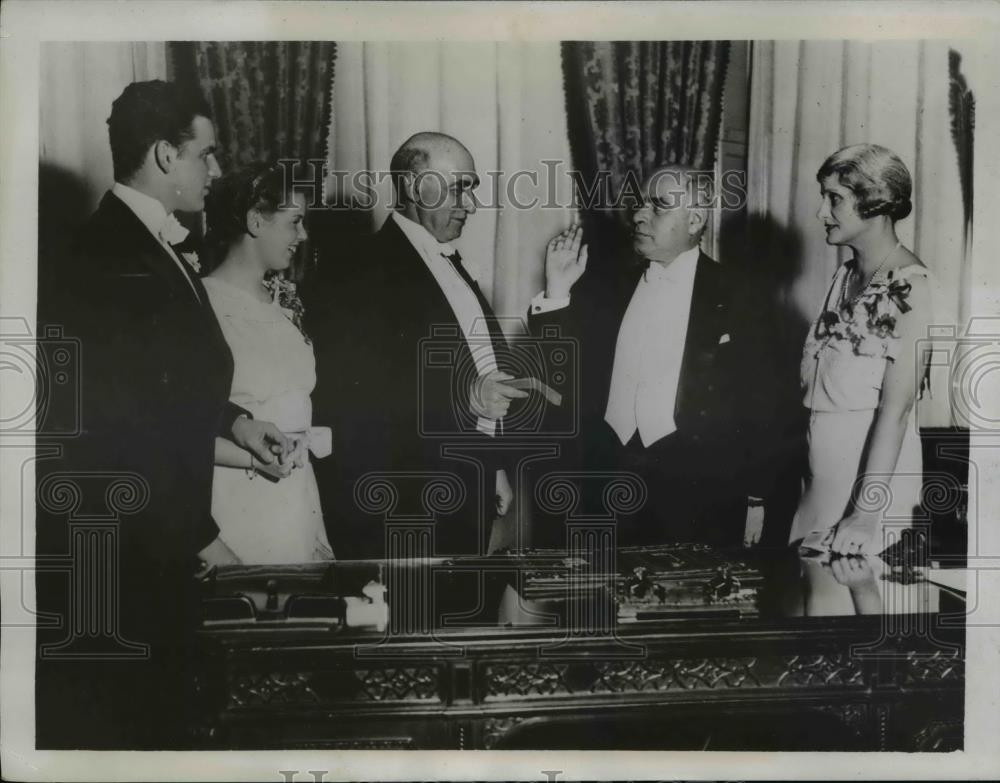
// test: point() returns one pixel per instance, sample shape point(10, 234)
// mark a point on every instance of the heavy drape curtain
point(635, 106)
point(270, 99)
point(808, 99)
point(504, 101)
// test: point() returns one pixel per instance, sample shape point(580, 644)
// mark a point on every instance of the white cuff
point(486, 426)
point(542, 304)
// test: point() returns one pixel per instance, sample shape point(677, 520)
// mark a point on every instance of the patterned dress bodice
point(848, 345)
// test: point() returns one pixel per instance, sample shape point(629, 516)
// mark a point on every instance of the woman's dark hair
point(260, 187)
point(876, 176)
point(148, 112)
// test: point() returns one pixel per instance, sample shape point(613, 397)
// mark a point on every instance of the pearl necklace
point(874, 274)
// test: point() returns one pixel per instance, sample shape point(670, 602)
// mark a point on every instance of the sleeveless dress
point(843, 364)
point(262, 521)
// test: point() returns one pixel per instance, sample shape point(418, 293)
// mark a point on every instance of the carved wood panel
point(534, 680)
point(374, 684)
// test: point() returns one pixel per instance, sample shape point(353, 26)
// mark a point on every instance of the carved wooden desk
point(803, 673)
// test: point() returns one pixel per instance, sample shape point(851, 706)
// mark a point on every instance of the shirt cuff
point(542, 304)
point(486, 426)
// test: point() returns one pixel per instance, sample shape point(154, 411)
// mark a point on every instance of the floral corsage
point(285, 293)
point(867, 334)
point(191, 259)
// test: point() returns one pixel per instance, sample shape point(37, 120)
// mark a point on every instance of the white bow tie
point(172, 232)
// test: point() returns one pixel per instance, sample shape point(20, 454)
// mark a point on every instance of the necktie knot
point(172, 232)
point(454, 256)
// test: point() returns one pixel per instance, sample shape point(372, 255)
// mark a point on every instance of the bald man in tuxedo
point(398, 406)
point(675, 372)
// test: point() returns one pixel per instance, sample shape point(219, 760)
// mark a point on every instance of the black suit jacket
point(393, 376)
point(156, 381)
point(723, 405)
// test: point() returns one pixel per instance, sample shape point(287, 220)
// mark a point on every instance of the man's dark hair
point(148, 112)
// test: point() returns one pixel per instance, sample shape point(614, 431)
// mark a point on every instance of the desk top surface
point(677, 589)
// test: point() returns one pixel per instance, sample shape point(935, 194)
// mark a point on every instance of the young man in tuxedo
point(410, 362)
point(156, 375)
point(671, 377)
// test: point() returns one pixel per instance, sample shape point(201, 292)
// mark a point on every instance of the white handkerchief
point(724, 338)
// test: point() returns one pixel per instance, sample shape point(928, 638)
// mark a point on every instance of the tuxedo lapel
point(706, 325)
point(148, 250)
point(421, 292)
point(412, 285)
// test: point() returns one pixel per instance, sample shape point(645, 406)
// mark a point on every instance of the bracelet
point(251, 471)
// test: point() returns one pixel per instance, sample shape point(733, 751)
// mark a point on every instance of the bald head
point(433, 176)
point(673, 213)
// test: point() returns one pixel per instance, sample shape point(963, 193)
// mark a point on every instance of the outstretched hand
point(565, 262)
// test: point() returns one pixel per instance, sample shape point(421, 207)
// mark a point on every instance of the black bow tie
point(456, 261)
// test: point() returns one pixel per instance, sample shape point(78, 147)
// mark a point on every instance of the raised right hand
point(490, 398)
point(565, 262)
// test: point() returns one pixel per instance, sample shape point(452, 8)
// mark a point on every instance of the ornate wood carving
point(853, 715)
point(563, 679)
point(399, 684)
point(495, 728)
point(415, 683)
point(697, 674)
point(939, 665)
point(532, 679)
point(254, 690)
point(941, 736)
point(817, 670)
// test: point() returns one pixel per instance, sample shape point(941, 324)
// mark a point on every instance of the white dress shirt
point(460, 296)
point(649, 351)
point(154, 216)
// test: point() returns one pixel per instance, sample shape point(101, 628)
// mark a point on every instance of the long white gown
point(262, 521)
point(843, 364)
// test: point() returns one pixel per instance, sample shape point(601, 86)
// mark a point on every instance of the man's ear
point(164, 154)
point(408, 187)
point(697, 220)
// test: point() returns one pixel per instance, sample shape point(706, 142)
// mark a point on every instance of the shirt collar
point(681, 268)
point(149, 210)
point(420, 237)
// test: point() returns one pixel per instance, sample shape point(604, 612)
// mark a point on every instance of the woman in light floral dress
point(863, 362)
point(266, 513)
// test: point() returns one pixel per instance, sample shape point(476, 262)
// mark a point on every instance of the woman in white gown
point(860, 367)
point(266, 514)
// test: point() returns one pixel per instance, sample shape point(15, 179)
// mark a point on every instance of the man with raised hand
point(669, 383)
